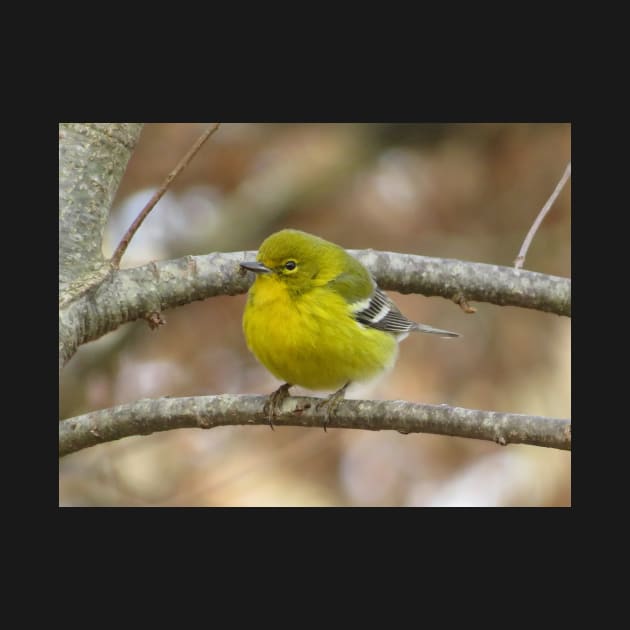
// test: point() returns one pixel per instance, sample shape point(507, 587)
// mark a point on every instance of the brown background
point(467, 191)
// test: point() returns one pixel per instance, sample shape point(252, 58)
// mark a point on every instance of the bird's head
point(299, 260)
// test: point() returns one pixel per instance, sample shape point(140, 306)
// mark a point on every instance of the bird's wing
point(381, 313)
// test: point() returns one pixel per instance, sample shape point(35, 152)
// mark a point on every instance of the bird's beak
point(255, 266)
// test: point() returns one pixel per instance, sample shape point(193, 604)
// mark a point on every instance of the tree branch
point(92, 160)
point(164, 414)
point(459, 280)
point(132, 294)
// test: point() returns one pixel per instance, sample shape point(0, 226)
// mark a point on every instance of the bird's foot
point(276, 398)
point(331, 403)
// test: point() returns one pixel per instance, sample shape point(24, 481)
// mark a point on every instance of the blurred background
point(466, 191)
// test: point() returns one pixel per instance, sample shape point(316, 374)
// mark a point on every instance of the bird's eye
point(290, 265)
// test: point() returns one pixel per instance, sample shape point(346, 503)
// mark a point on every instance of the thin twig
point(520, 259)
point(126, 239)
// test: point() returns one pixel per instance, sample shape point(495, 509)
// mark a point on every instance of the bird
point(316, 318)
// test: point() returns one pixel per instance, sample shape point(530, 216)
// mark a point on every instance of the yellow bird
point(316, 318)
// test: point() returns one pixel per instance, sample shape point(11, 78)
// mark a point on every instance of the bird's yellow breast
point(310, 341)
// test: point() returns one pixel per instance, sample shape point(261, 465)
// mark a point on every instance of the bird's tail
point(435, 331)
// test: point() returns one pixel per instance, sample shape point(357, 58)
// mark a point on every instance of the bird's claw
point(331, 403)
point(275, 400)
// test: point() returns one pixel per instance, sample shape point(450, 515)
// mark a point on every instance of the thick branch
point(473, 282)
point(92, 160)
point(131, 294)
point(164, 414)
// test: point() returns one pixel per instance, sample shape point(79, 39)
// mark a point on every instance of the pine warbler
point(314, 317)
